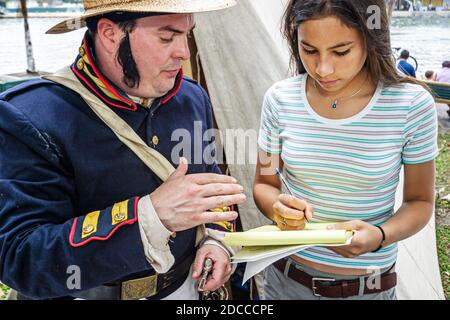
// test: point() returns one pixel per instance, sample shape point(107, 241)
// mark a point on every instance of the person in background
point(430, 75)
point(444, 74)
point(404, 66)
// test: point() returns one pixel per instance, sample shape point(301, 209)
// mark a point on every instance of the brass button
point(155, 140)
point(173, 235)
point(82, 52)
point(119, 217)
point(80, 64)
point(88, 229)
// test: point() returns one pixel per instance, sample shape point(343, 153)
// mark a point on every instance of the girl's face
point(332, 53)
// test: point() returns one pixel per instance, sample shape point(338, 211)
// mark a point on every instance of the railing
point(439, 90)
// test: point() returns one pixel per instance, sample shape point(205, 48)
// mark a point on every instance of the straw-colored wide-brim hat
point(94, 8)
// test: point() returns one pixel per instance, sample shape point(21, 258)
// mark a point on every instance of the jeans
point(277, 286)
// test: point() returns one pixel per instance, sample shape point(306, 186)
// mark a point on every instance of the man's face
point(159, 45)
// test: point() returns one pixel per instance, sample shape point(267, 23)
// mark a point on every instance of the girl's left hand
point(366, 238)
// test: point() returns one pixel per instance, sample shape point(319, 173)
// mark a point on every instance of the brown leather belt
point(332, 288)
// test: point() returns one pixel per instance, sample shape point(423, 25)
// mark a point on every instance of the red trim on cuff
point(234, 209)
point(127, 222)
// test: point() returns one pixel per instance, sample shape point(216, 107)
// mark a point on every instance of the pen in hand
point(283, 180)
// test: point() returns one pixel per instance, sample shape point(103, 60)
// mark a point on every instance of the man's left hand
point(366, 238)
point(221, 271)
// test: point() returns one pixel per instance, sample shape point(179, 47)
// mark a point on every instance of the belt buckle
point(139, 288)
point(314, 287)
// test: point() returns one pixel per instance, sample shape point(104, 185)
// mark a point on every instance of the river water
point(428, 40)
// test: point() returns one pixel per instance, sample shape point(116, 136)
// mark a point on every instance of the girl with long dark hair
point(341, 129)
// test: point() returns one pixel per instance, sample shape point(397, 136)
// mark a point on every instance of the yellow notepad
point(314, 233)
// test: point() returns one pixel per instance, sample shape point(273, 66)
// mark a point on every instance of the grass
point(443, 246)
point(443, 210)
point(3, 291)
point(442, 171)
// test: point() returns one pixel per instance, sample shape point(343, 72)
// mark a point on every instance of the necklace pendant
point(334, 105)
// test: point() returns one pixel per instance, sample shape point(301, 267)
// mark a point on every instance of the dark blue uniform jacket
point(59, 162)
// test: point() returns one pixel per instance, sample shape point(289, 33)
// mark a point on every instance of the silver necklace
point(334, 105)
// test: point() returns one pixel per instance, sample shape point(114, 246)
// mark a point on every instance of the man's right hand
point(183, 201)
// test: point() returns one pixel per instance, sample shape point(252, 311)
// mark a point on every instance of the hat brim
point(187, 6)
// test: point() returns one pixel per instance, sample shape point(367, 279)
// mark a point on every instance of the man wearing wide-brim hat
point(91, 204)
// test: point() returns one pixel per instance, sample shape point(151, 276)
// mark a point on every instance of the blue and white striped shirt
point(348, 169)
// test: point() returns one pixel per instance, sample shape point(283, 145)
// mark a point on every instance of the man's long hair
point(124, 55)
point(125, 58)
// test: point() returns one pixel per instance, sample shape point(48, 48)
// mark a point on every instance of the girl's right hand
point(289, 212)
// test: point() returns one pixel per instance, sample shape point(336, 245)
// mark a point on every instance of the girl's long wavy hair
point(355, 14)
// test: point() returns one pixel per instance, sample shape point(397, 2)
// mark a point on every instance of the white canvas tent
point(242, 54)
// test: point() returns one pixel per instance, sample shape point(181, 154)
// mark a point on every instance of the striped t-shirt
point(348, 169)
